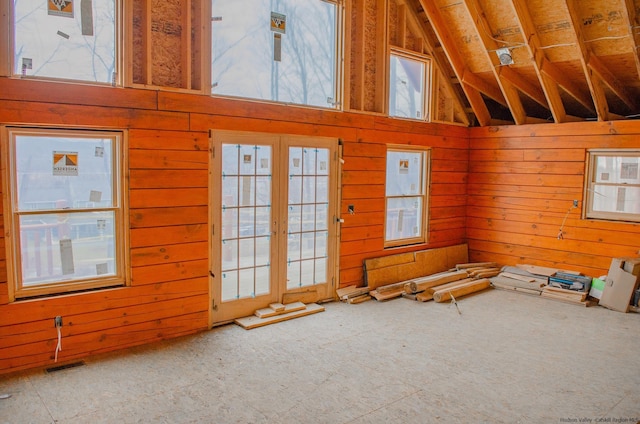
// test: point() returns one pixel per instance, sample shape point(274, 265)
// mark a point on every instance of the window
point(406, 196)
point(64, 210)
point(278, 50)
point(69, 40)
point(408, 76)
point(613, 185)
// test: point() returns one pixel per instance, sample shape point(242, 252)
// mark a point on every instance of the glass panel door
point(273, 221)
point(246, 219)
point(308, 216)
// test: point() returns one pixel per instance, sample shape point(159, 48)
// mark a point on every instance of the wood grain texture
point(522, 183)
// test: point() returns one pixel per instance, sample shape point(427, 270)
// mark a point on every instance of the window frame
point(7, 49)
point(121, 277)
point(427, 82)
point(590, 181)
point(425, 180)
point(338, 65)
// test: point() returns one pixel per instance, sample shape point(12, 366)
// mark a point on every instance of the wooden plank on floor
point(387, 295)
point(271, 311)
point(278, 307)
point(253, 321)
point(516, 289)
point(345, 291)
point(460, 291)
point(351, 292)
point(359, 299)
point(407, 266)
point(306, 296)
point(550, 295)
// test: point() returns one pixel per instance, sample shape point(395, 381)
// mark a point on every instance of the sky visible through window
point(61, 39)
point(293, 63)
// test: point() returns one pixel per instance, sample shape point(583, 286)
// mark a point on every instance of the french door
point(273, 213)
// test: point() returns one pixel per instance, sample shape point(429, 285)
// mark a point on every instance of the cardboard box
point(632, 266)
point(620, 284)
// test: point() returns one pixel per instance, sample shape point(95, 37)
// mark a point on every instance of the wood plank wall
point(522, 182)
point(363, 186)
point(168, 200)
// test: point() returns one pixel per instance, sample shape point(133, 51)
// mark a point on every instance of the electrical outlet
point(351, 209)
point(57, 321)
point(575, 203)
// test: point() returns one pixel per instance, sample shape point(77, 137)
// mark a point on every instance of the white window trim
point(589, 181)
point(12, 244)
point(426, 189)
point(428, 82)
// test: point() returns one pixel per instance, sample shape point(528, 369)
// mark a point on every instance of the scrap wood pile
point(462, 280)
point(442, 274)
point(565, 286)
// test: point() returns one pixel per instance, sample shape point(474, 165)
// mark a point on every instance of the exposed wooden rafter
point(594, 82)
point(476, 101)
point(503, 78)
point(531, 90)
point(483, 86)
point(531, 39)
point(631, 20)
point(564, 80)
point(607, 77)
point(438, 57)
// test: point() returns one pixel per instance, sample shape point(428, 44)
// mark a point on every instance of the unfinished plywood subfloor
point(508, 358)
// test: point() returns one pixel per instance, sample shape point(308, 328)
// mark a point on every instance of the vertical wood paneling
point(522, 183)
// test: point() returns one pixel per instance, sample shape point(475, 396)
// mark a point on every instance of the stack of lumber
point(353, 294)
point(533, 279)
point(402, 267)
point(463, 279)
point(568, 296)
point(480, 269)
point(444, 294)
point(277, 312)
point(520, 280)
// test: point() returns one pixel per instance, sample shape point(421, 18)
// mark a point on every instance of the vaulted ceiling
point(528, 61)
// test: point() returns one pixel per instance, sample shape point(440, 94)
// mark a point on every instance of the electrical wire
point(611, 37)
point(561, 231)
point(553, 46)
point(59, 345)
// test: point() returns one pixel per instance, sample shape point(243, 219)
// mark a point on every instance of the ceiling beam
point(633, 23)
point(525, 86)
point(607, 77)
point(508, 88)
point(564, 80)
point(457, 62)
point(438, 57)
point(594, 82)
point(531, 39)
point(483, 86)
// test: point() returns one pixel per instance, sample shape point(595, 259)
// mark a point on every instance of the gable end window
point(409, 86)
